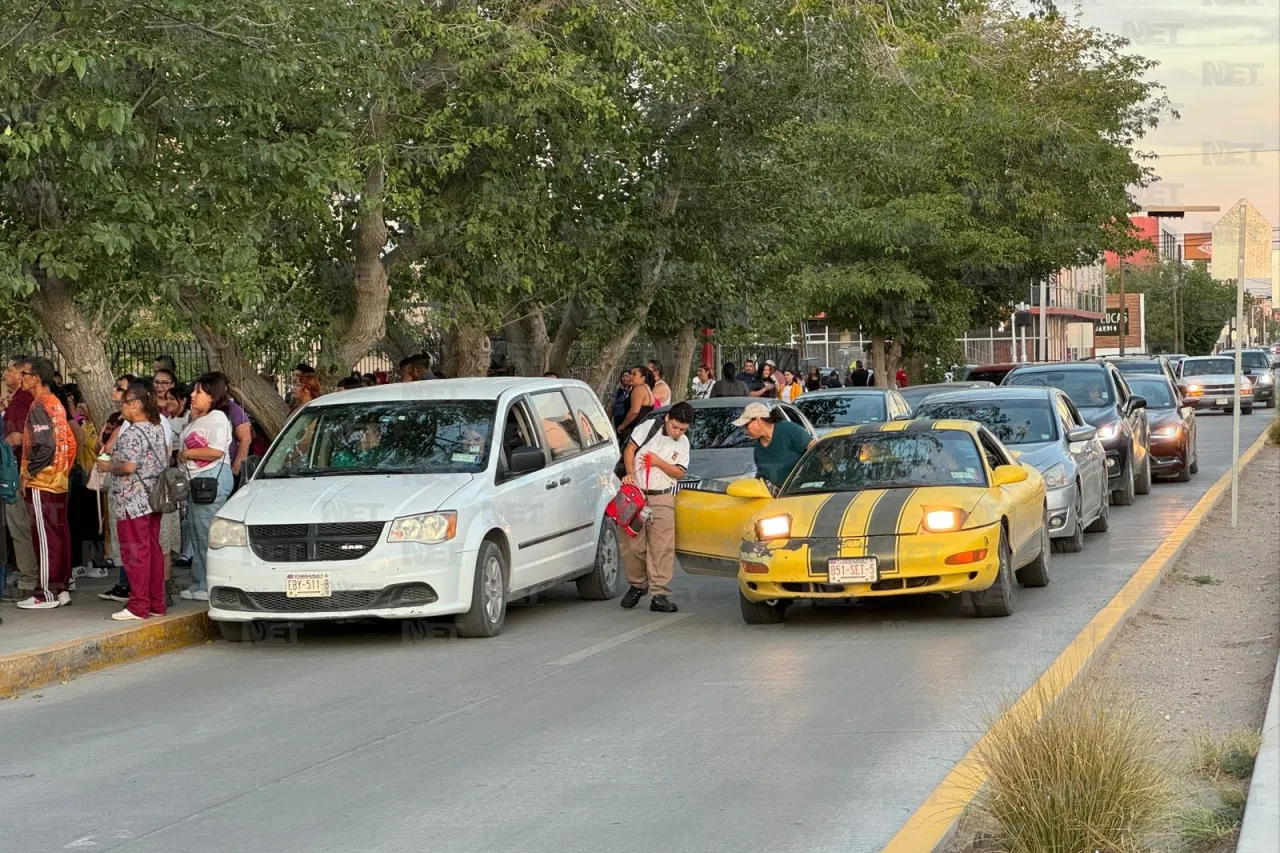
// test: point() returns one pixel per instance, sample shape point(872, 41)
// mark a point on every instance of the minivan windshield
point(389, 437)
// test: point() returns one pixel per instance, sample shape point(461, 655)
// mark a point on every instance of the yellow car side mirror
point(1007, 475)
point(754, 489)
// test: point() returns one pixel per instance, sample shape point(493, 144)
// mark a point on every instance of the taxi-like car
point(900, 508)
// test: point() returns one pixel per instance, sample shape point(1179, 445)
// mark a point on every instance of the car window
point(1068, 417)
point(1156, 391)
point(991, 448)
point(593, 426)
point(558, 425)
point(900, 406)
point(889, 460)
point(1016, 421)
point(1208, 366)
point(1122, 386)
point(837, 410)
point(1250, 358)
point(1087, 388)
point(713, 429)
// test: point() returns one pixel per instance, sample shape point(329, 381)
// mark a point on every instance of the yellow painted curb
point(932, 825)
point(23, 671)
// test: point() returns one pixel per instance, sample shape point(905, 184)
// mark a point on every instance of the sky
point(1220, 65)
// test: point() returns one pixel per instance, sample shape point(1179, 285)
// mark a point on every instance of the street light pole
point(1237, 345)
point(1122, 325)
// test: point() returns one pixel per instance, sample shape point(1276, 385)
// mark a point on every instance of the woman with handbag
point(202, 453)
point(138, 459)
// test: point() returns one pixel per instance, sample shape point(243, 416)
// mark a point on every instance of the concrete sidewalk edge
point(28, 670)
point(934, 824)
point(1260, 830)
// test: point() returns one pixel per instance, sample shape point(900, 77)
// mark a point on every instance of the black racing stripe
point(882, 529)
point(919, 426)
point(824, 536)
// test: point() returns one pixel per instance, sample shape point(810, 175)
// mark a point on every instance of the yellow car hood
point(874, 512)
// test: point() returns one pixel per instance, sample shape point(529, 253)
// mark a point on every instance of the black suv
point(1105, 401)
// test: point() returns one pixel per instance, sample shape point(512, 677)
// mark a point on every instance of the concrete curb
point(1260, 830)
point(28, 670)
point(932, 826)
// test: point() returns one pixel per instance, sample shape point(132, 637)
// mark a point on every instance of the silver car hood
point(1041, 455)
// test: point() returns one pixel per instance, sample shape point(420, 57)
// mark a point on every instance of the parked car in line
point(915, 394)
point(1262, 368)
point(1043, 428)
point(445, 498)
point(1175, 360)
point(1173, 428)
point(719, 451)
point(993, 373)
point(1103, 398)
point(839, 407)
point(1211, 383)
point(1143, 365)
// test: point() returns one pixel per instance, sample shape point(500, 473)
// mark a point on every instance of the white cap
point(753, 411)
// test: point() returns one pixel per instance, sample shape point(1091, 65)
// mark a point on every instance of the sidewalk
point(40, 647)
point(1260, 830)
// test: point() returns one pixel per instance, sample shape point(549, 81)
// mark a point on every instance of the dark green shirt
point(774, 463)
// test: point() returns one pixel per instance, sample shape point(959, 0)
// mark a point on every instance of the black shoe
point(662, 604)
point(633, 596)
point(116, 593)
point(182, 563)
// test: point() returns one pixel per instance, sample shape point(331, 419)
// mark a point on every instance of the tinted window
point(1157, 392)
point(889, 460)
point(1130, 368)
point(1208, 366)
point(403, 437)
point(1251, 359)
point(713, 429)
point(1012, 421)
point(593, 426)
point(838, 410)
point(557, 424)
point(1086, 388)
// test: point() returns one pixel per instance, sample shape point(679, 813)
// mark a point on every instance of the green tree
point(1206, 304)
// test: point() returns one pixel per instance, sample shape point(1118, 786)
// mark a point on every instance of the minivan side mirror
point(1082, 433)
point(525, 459)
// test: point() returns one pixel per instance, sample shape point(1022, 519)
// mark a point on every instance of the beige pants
point(650, 557)
point(24, 552)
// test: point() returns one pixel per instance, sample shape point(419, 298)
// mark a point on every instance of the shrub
point(1233, 755)
point(1273, 431)
point(1086, 776)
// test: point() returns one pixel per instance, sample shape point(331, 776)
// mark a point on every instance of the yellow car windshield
point(889, 460)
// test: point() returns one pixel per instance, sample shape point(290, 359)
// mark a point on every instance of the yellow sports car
point(897, 508)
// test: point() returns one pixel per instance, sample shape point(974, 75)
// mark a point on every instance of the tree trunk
point(604, 373)
point(368, 323)
point(260, 397)
point(566, 335)
point(877, 356)
point(467, 350)
point(528, 345)
point(79, 343)
point(893, 360)
point(675, 352)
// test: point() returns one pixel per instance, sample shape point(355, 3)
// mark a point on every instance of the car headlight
point(426, 528)
point(1106, 432)
point(773, 527)
point(1167, 431)
point(1055, 476)
point(943, 520)
point(1266, 379)
point(225, 533)
point(1194, 390)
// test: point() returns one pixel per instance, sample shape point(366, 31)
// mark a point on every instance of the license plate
point(1222, 401)
point(307, 586)
point(853, 570)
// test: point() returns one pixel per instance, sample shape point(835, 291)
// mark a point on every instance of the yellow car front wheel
point(999, 598)
point(762, 612)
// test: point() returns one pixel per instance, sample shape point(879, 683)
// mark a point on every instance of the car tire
point(1142, 483)
point(1124, 496)
point(1103, 522)
point(1036, 573)
point(761, 612)
point(1184, 473)
point(488, 610)
point(1271, 403)
point(1194, 467)
point(1074, 543)
point(999, 598)
point(601, 584)
point(244, 632)
point(1246, 410)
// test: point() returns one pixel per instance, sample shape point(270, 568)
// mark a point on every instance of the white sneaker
point(39, 601)
point(200, 595)
point(95, 572)
point(64, 599)
point(71, 585)
point(126, 615)
point(186, 595)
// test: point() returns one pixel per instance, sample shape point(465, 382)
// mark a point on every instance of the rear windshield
point(1252, 359)
point(1209, 366)
point(1138, 367)
point(395, 437)
point(1157, 392)
point(889, 460)
point(837, 410)
point(1013, 421)
point(713, 429)
point(1086, 388)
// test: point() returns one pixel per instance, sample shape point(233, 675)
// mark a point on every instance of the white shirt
point(702, 390)
point(168, 432)
point(662, 446)
point(215, 429)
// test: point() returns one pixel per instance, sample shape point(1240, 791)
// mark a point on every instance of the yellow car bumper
point(785, 569)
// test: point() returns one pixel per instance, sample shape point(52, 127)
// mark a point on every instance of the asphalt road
point(581, 728)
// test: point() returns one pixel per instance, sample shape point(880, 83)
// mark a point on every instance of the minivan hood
point(359, 497)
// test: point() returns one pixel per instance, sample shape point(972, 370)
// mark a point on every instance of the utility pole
point(1237, 345)
point(1044, 318)
point(1177, 304)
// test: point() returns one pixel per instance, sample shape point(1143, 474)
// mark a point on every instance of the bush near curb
point(1273, 431)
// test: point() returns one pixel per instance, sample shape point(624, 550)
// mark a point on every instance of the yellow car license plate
point(853, 570)
point(314, 585)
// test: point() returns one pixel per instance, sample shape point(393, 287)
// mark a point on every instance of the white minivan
point(444, 497)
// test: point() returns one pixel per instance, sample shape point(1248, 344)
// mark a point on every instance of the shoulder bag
point(170, 491)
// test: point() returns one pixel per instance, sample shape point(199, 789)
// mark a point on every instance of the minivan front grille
point(306, 543)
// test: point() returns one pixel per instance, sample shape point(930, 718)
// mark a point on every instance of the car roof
point(1062, 365)
point(999, 392)
point(841, 392)
point(468, 388)
point(958, 384)
point(919, 425)
point(732, 402)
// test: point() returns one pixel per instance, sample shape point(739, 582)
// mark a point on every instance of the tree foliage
point(1206, 304)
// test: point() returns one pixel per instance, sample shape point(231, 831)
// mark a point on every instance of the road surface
point(583, 728)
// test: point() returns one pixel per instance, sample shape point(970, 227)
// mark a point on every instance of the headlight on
point(427, 528)
point(1106, 432)
point(943, 520)
point(1167, 431)
point(1266, 379)
point(1194, 390)
point(225, 533)
point(773, 527)
point(1055, 476)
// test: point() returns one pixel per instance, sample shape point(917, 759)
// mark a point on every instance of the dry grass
point(1273, 431)
point(1202, 827)
point(1231, 755)
point(1087, 776)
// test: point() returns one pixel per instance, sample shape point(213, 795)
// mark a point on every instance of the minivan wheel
point(488, 595)
point(602, 582)
point(243, 632)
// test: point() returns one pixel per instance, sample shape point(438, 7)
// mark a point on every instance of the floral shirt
point(144, 445)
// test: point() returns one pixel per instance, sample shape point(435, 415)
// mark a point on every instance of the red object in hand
point(628, 509)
